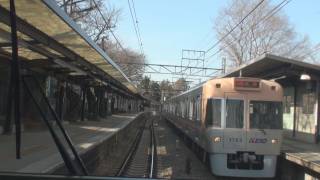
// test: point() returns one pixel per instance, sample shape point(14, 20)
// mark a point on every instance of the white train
point(235, 122)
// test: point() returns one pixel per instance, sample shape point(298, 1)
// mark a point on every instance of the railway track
point(141, 158)
point(175, 160)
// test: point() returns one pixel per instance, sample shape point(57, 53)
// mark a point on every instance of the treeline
point(159, 91)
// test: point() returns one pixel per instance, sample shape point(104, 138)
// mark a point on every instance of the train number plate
point(235, 140)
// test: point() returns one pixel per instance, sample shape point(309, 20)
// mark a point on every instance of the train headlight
point(216, 139)
point(274, 141)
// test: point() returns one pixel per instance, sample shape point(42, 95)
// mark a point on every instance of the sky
point(168, 26)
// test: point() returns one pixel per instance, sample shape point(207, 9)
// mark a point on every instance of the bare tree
point(124, 57)
point(86, 13)
point(77, 9)
point(156, 91)
point(145, 84)
point(150, 89)
point(181, 85)
point(167, 90)
point(261, 32)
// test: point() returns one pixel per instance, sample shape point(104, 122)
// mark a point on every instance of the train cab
point(237, 122)
point(243, 122)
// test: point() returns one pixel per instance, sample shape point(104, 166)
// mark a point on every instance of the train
point(236, 122)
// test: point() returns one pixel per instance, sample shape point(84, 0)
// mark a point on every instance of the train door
point(234, 123)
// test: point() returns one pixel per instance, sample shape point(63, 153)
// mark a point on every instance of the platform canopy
point(270, 66)
point(49, 38)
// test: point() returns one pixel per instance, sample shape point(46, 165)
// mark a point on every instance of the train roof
point(190, 90)
point(203, 83)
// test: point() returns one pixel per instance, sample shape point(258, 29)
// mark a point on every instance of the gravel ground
point(174, 159)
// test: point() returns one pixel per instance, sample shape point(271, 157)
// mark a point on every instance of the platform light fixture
point(305, 77)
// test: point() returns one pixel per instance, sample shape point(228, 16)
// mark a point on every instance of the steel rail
point(153, 152)
point(131, 151)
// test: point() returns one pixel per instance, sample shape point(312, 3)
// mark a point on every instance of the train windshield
point(213, 117)
point(234, 113)
point(265, 115)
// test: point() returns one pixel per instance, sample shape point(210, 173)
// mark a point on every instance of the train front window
point(265, 115)
point(234, 113)
point(213, 116)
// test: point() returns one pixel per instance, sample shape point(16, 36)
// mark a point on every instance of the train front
point(245, 135)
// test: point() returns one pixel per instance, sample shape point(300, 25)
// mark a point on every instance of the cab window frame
point(212, 120)
point(243, 100)
point(277, 125)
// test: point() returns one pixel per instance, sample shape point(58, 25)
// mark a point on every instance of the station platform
point(301, 153)
point(39, 154)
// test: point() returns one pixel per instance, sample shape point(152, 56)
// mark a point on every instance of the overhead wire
point(135, 24)
point(234, 27)
point(206, 40)
point(111, 31)
point(266, 17)
point(315, 51)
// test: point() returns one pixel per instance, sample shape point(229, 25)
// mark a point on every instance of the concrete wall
point(107, 156)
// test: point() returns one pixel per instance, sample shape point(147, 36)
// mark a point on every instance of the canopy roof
point(269, 66)
point(48, 37)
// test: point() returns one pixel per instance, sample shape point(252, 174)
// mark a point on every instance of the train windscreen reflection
point(234, 113)
point(265, 115)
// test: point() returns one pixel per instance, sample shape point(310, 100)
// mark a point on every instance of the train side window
point(234, 113)
point(177, 109)
point(185, 107)
point(182, 109)
point(213, 113)
point(197, 108)
point(190, 109)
